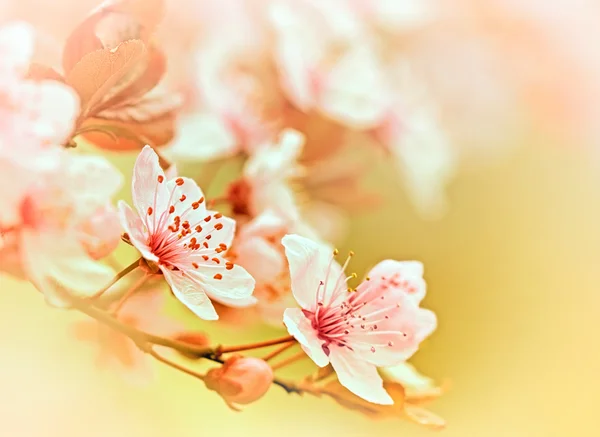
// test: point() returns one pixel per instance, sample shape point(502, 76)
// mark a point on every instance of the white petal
point(147, 192)
point(189, 293)
point(300, 327)
point(56, 263)
point(358, 376)
point(135, 229)
point(310, 263)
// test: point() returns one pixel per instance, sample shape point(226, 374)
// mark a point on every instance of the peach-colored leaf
point(349, 400)
point(99, 71)
point(130, 136)
point(149, 72)
point(41, 72)
point(110, 24)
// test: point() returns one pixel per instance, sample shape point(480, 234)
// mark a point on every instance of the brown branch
point(145, 341)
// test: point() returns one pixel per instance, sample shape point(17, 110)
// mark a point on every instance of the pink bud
point(101, 232)
point(241, 380)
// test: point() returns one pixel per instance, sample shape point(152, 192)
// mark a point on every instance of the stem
point(117, 277)
point(172, 364)
point(289, 360)
point(135, 287)
point(145, 340)
point(244, 347)
point(278, 351)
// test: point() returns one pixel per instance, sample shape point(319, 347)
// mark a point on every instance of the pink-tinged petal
point(100, 234)
point(136, 230)
point(426, 324)
point(56, 263)
point(222, 282)
point(187, 198)
point(16, 47)
point(203, 137)
point(260, 258)
point(147, 189)
point(190, 294)
point(235, 303)
point(358, 376)
point(405, 276)
point(301, 329)
point(354, 91)
point(90, 179)
point(51, 109)
point(310, 264)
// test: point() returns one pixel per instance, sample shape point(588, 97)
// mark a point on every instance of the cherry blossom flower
point(47, 244)
point(118, 352)
point(413, 134)
point(268, 174)
point(174, 231)
point(257, 247)
point(31, 112)
point(355, 330)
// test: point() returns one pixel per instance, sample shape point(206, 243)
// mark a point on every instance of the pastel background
point(512, 271)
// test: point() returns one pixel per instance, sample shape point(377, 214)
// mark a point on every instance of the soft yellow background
point(512, 273)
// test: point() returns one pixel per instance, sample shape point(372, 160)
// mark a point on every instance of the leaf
point(130, 136)
point(149, 74)
point(349, 400)
point(424, 417)
point(39, 72)
point(99, 71)
point(110, 24)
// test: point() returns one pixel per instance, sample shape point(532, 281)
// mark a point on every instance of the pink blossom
point(117, 351)
point(101, 233)
point(269, 173)
point(257, 247)
point(328, 61)
point(174, 230)
point(31, 112)
point(46, 243)
point(377, 324)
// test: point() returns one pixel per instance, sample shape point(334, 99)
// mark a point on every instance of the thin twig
point(258, 345)
point(135, 287)
point(278, 351)
point(289, 360)
point(117, 277)
point(145, 341)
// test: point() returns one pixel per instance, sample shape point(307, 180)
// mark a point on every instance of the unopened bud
point(241, 380)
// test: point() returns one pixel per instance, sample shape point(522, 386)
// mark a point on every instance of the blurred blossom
point(47, 240)
point(355, 330)
point(101, 233)
point(174, 231)
point(118, 352)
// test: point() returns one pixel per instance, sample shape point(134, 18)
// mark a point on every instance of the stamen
point(179, 181)
point(218, 276)
point(160, 178)
point(150, 210)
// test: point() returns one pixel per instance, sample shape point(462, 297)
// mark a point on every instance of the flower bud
point(241, 380)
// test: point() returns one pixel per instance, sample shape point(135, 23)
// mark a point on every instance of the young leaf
point(99, 71)
point(110, 24)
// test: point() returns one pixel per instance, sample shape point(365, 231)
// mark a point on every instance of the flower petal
point(146, 189)
point(358, 376)
point(184, 193)
point(406, 276)
point(57, 264)
point(188, 292)
point(220, 283)
point(17, 42)
point(135, 229)
point(310, 263)
point(300, 327)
